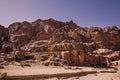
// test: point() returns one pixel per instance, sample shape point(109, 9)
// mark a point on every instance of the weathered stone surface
point(36, 46)
point(41, 57)
point(118, 68)
point(62, 47)
point(3, 33)
point(102, 57)
point(21, 33)
point(103, 51)
point(6, 47)
point(60, 43)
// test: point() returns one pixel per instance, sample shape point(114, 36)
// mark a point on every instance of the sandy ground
point(40, 70)
point(97, 76)
point(37, 70)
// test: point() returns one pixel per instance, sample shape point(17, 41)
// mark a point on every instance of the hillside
point(57, 43)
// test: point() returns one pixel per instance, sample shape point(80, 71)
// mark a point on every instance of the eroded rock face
point(102, 57)
point(102, 51)
point(60, 43)
point(62, 47)
point(21, 33)
point(56, 32)
point(108, 37)
point(3, 32)
point(119, 68)
point(4, 40)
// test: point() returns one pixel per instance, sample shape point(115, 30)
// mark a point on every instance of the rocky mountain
point(52, 42)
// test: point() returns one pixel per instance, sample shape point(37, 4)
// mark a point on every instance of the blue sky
point(85, 13)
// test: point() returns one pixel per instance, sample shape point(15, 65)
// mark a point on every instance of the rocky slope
point(52, 42)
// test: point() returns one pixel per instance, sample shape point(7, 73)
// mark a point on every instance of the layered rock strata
point(52, 42)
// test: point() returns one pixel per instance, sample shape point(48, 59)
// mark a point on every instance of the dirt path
point(59, 73)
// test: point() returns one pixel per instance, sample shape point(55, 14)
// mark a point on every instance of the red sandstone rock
point(65, 42)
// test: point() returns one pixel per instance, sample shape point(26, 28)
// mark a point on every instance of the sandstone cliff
point(52, 42)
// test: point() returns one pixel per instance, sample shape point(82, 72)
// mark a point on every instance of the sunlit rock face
point(54, 42)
